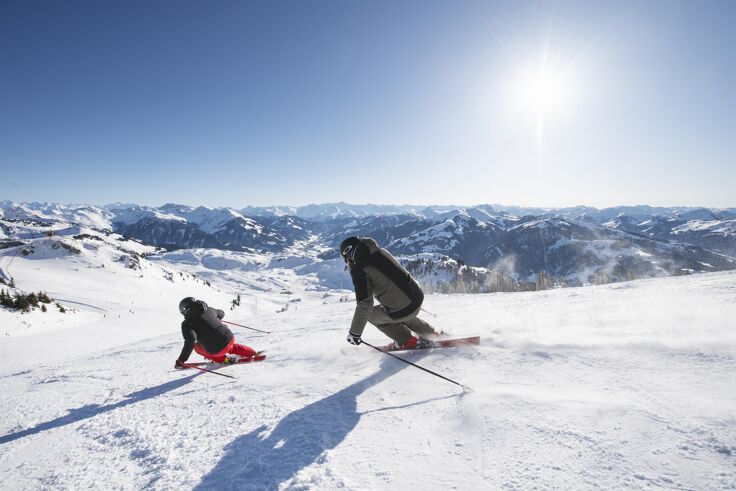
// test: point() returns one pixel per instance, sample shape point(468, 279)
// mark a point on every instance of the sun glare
point(545, 93)
point(546, 90)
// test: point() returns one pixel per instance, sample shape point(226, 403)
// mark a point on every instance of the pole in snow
point(251, 328)
point(205, 370)
point(430, 313)
point(415, 365)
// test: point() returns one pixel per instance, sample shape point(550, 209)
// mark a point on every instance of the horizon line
point(404, 205)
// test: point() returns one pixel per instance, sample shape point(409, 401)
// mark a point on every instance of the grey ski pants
point(398, 329)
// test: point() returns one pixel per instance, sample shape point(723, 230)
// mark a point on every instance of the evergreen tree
point(21, 302)
point(32, 299)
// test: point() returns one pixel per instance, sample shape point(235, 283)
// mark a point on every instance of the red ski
point(249, 359)
point(440, 343)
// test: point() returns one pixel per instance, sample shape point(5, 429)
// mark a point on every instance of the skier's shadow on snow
point(261, 461)
point(91, 410)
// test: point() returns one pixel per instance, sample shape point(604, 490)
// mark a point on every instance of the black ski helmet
point(186, 304)
point(348, 248)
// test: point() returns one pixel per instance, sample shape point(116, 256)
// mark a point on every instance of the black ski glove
point(354, 338)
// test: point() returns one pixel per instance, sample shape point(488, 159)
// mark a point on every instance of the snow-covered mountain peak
point(209, 220)
point(541, 223)
point(132, 214)
point(175, 208)
point(17, 211)
point(702, 214)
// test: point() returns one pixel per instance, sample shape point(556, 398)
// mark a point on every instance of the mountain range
point(566, 246)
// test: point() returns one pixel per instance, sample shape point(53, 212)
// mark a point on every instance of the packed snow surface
point(629, 385)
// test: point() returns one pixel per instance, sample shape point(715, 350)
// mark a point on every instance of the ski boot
point(435, 335)
point(412, 343)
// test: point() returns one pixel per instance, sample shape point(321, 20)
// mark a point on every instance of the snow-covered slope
point(706, 228)
point(618, 386)
point(89, 216)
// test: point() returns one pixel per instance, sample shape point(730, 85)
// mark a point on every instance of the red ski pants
point(231, 348)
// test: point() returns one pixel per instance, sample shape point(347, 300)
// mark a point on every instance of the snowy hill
point(623, 385)
point(583, 253)
point(700, 227)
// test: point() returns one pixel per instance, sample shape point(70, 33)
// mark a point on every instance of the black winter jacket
point(203, 326)
point(376, 273)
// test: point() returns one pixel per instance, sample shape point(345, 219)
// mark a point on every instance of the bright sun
point(545, 90)
point(545, 93)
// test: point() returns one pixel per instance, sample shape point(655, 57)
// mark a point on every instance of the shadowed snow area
point(628, 385)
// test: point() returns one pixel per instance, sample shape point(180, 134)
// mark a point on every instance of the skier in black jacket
point(376, 273)
point(204, 333)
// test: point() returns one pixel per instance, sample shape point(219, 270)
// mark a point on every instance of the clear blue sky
point(271, 102)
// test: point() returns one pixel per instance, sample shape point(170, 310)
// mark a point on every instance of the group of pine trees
point(26, 301)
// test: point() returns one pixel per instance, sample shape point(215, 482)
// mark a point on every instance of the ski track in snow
point(622, 386)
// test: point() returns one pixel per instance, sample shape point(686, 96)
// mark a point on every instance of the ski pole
point(430, 313)
point(251, 328)
point(415, 365)
point(205, 370)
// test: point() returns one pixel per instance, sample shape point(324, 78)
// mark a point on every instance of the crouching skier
point(375, 272)
point(204, 333)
